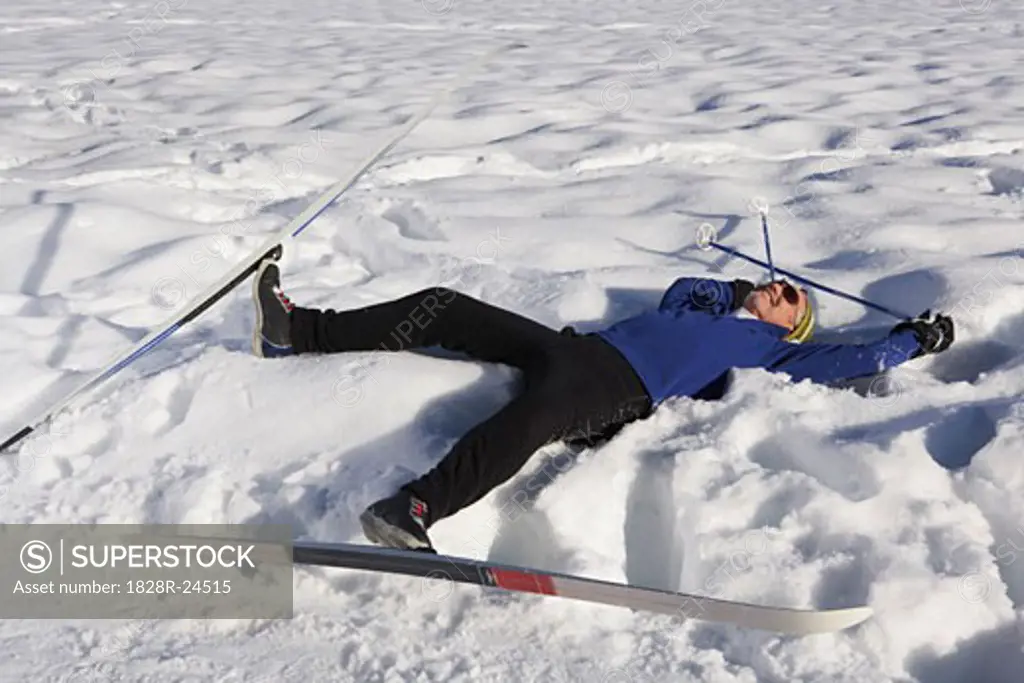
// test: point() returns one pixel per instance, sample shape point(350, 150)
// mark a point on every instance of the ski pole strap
point(812, 283)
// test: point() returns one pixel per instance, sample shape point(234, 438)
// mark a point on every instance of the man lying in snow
point(574, 385)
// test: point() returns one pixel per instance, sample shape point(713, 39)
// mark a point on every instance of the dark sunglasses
point(790, 294)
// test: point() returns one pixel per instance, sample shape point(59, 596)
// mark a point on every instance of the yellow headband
point(805, 326)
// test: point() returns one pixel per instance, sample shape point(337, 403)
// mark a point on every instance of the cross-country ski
point(682, 606)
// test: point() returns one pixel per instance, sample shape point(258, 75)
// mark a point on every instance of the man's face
point(778, 303)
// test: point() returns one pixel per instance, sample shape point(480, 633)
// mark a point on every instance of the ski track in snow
point(147, 148)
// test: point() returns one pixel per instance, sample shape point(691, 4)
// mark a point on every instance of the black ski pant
point(575, 387)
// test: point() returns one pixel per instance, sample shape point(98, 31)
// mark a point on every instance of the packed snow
point(146, 148)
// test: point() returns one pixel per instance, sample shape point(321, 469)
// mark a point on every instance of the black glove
point(741, 289)
point(934, 335)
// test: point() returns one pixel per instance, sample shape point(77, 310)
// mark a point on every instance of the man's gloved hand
point(933, 335)
point(741, 289)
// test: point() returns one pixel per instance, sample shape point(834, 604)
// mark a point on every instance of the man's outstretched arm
point(832, 362)
point(704, 294)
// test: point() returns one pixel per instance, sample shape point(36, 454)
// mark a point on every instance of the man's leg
point(488, 455)
point(432, 317)
point(583, 387)
point(492, 452)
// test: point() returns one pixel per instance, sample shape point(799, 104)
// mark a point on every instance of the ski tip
point(830, 621)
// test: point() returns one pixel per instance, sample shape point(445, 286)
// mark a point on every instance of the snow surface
point(147, 147)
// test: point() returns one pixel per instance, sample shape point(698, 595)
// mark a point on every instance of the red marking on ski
point(523, 581)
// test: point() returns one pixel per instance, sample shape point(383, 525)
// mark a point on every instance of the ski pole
point(812, 283)
point(767, 246)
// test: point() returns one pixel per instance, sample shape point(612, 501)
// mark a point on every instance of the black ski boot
point(272, 336)
point(398, 522)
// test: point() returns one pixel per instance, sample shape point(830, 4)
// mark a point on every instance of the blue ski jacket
point(692, 340)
